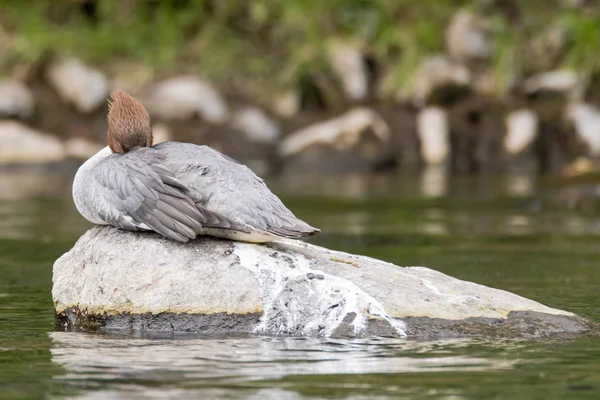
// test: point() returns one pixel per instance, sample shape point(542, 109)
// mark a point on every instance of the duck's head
point(128, 123)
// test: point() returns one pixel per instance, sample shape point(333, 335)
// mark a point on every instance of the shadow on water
point(495, 230)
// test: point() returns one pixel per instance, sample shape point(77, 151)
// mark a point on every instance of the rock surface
point(465, 38)
point(586, 119)
point(521, 130)
point(16, 100)
point(76, 83)
point(436, 72)
point(184, 97)
point(22, 144)
point(358, 140)
point(286, 104)
point(563, 81)
point(434, 135)
point(114, 279)
point(341, 133)
point(82, 149)
point(256, 126)
point(348, 64)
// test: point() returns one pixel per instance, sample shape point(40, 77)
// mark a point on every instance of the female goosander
point(179, 190)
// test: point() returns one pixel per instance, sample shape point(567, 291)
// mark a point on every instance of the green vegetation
point(262, 45)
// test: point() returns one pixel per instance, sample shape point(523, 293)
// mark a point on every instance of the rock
point(434, 135)
point(118, 280)
point(466, 41)
point(586, 119)
point(81, 148)
point(580, 166)
point(341, 133)
point(357, 140)
point(287, 104)
point(554, 39)
point(22, 144)
point(566, 82)
point(347, 62)
point(16, 100)
point(76, 83)
point(437, 71)
point(161, 133)
point(184, 97)
point(130, 77)
point(256, 125)
point(522, 128)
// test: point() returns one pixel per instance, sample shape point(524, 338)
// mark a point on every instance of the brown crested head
point(128, 123)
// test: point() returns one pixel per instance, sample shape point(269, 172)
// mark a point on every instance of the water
point(492, 230)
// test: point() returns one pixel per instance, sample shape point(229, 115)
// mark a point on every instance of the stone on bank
point(118, 280)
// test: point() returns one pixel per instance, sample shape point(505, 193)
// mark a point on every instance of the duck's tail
point(293, 229)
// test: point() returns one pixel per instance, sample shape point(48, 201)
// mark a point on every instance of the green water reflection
point(479, 231)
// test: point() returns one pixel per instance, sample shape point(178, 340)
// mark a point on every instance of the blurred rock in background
point(476, 86)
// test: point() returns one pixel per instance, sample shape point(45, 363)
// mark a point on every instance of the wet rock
point(521, 131)
point(466, 41)
point(566, 82)
point(435, 73)
point(84, 87)
point(22, 144)
point(114, 279)
point(81, 148)
point(16, 100)
point(185, 97)
point(356, 140)
point(287, 104)
point(131, 77)
point(580, 166)
point(161, 133)
point(347, 62)
point(553, 39)
point(586, 120)
point(434, 135)
point(256, 125)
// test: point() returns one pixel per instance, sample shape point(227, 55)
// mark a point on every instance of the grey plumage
point(137, 191)
point(226, 186)
point(180, 190)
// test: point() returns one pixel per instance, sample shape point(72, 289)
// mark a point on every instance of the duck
point(178, 190)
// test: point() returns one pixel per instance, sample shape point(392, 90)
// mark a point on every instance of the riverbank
point(474, 86)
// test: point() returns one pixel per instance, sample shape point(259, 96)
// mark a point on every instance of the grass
point(265, 46)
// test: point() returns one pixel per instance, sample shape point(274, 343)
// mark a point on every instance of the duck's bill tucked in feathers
point(139, 192)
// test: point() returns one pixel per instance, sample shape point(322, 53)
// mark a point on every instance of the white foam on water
point(300, 299)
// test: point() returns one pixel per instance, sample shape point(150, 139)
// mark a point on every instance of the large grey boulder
point(114, 279)
point(348, 64)
point(466, 40)
point(76, 83)
point(16, 99)
point(522, 128)
point(255, 125)
point(359, 139)
point(184, 97)
point(435, 73)
point(23, 144)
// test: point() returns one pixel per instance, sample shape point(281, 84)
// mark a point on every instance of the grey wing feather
point(137, 191)
point(228, 187)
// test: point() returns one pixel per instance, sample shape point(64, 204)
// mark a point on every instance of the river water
point(494, 230)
